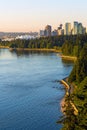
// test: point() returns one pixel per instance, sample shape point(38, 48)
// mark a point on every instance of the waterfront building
point(68, 29)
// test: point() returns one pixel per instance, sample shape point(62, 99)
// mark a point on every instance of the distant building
point(80, 28)
point(75, 28)
point(42, 33)
point(26, 37)
point(84, 30)
point(61, 26)
point(48, 30)
point(60, 30)
point(54, 33)
point(68, 29)
point(72, 31)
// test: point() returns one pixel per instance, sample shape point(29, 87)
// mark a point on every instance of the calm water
point(29, 96)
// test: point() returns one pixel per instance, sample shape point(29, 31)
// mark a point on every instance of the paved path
point(68, 88)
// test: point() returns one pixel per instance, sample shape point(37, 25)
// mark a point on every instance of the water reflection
point(19, 53)
point(67, 63)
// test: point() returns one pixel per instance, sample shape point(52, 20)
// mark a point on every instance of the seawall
point(67, 94)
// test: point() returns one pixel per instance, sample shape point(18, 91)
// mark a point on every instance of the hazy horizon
point(33, 15)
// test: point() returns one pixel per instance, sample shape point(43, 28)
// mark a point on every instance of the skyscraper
point(68, 29)
point(54, 33)
point(75, 28)
point(84, 30)
point(60, 30)
point(48, 30)
point(42, 33)
point(80, 28)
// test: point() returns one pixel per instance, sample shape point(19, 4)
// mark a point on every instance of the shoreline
point(42, 50)
point(68, 57)
point(4, 47)
point(35, 49)
point(63, 102)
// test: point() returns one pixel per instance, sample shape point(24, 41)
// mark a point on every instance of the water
point(29, 96)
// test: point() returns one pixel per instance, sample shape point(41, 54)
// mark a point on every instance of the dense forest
point(72, 46)
point(43, 42)
point(78, 78)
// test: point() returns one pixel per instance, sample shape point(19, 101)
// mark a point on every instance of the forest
point(78, 78)
point(70, 45)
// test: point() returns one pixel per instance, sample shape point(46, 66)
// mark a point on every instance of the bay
point(29, 94)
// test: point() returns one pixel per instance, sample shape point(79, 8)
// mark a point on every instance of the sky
point(33, 15)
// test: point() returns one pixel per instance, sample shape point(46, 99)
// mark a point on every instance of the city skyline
point(69, 29)
point(31, 15)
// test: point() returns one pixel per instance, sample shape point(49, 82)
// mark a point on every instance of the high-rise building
point(80, 28)
point(84, 30)
point(48, 30)
point(68, 29)
point(61, 26)
point(54, 33)
point(42, 33)
point(75, 28)
point(60, 31)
